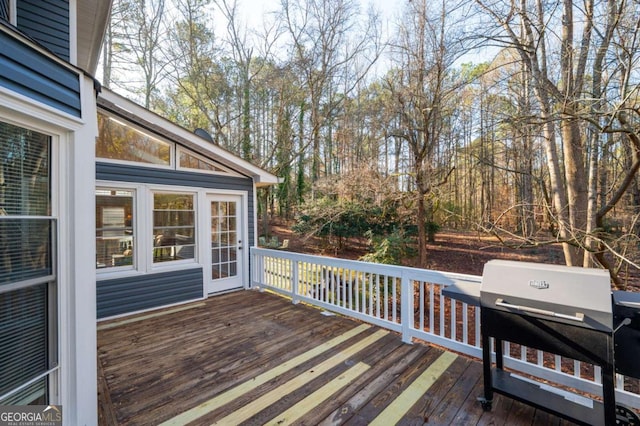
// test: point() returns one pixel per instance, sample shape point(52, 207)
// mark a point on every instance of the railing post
point(258, 269)
point(294, 282)
point(406, 308)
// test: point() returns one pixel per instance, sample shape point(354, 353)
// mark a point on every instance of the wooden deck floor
point(254, 358)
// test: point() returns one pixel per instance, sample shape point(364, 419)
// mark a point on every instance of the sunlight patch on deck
point(111, 325)
point(403, 403)
point(237, 391)
point(318, 397)
point(270, 398)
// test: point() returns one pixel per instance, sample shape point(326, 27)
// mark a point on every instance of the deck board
point(255, 358)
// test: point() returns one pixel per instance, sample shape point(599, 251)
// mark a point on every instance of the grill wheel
point(626, 416)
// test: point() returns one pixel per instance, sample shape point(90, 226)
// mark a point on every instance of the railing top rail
point(427, 275)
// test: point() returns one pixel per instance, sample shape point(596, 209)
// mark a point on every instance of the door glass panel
point(224, 244)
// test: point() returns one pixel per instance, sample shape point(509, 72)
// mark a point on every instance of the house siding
point(27, 72)
point(125, 173)
point(47, 22)
point(141, 292)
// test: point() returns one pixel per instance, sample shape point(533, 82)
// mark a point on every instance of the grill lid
point(573, 295)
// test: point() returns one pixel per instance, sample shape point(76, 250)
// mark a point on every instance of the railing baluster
point(432, 327)
point(370, 282)
point(356, 294)
point(421, 310)
point(452, 322)
point(386, 297)
point(394, 300)
point(442, 308)
point(465, 323)
point(294, 282)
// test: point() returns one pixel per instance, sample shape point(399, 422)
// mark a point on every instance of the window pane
point(119, 141)
point(4, 10)
point(23, 340)
point(173, 227)
point(34, 394)
point(24, 172)
point(114, 227)
point(190, 161)
point(25, 249)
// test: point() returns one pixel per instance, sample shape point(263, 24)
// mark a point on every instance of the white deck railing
point(409, 301)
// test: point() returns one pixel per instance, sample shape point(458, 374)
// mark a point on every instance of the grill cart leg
point(486, 373)
point(608, 394)
point(499, 348)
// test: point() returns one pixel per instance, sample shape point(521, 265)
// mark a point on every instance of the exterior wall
point(126, 173)
point(130, 294)
point(143, 291)
point(47, 22)
point(28, 72)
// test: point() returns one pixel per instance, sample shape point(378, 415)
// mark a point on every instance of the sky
point(254, 10)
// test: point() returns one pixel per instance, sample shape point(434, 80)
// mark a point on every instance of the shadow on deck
point(254, 358)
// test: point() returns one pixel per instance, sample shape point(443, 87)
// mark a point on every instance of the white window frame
point(58, 138)
point(13, 12)
point(143, 230)
point(124, 122)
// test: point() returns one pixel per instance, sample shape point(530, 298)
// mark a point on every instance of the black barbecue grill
point(567, 311)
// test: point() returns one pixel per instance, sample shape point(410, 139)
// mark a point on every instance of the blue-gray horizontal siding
point(47, 22)
point(30, 73)
point(125, 295)
point(126, 173)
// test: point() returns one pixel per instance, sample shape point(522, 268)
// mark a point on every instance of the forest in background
point(396, 128)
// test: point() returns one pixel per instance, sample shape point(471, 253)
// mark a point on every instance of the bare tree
point(326, 39)
point(588, 34)
point(422, 95)
point(144, 32)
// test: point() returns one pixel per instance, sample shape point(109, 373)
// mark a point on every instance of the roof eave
point(92, 19)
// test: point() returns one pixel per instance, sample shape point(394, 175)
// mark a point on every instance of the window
point(119, 141)
point(114, 228)
point(4, 10)
point(28, 287)
point(173, 227)
point(192, 161)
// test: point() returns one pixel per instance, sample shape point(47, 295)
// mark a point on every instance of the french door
point(226, 243)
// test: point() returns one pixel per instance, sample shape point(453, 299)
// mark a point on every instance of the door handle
point(577, 317)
